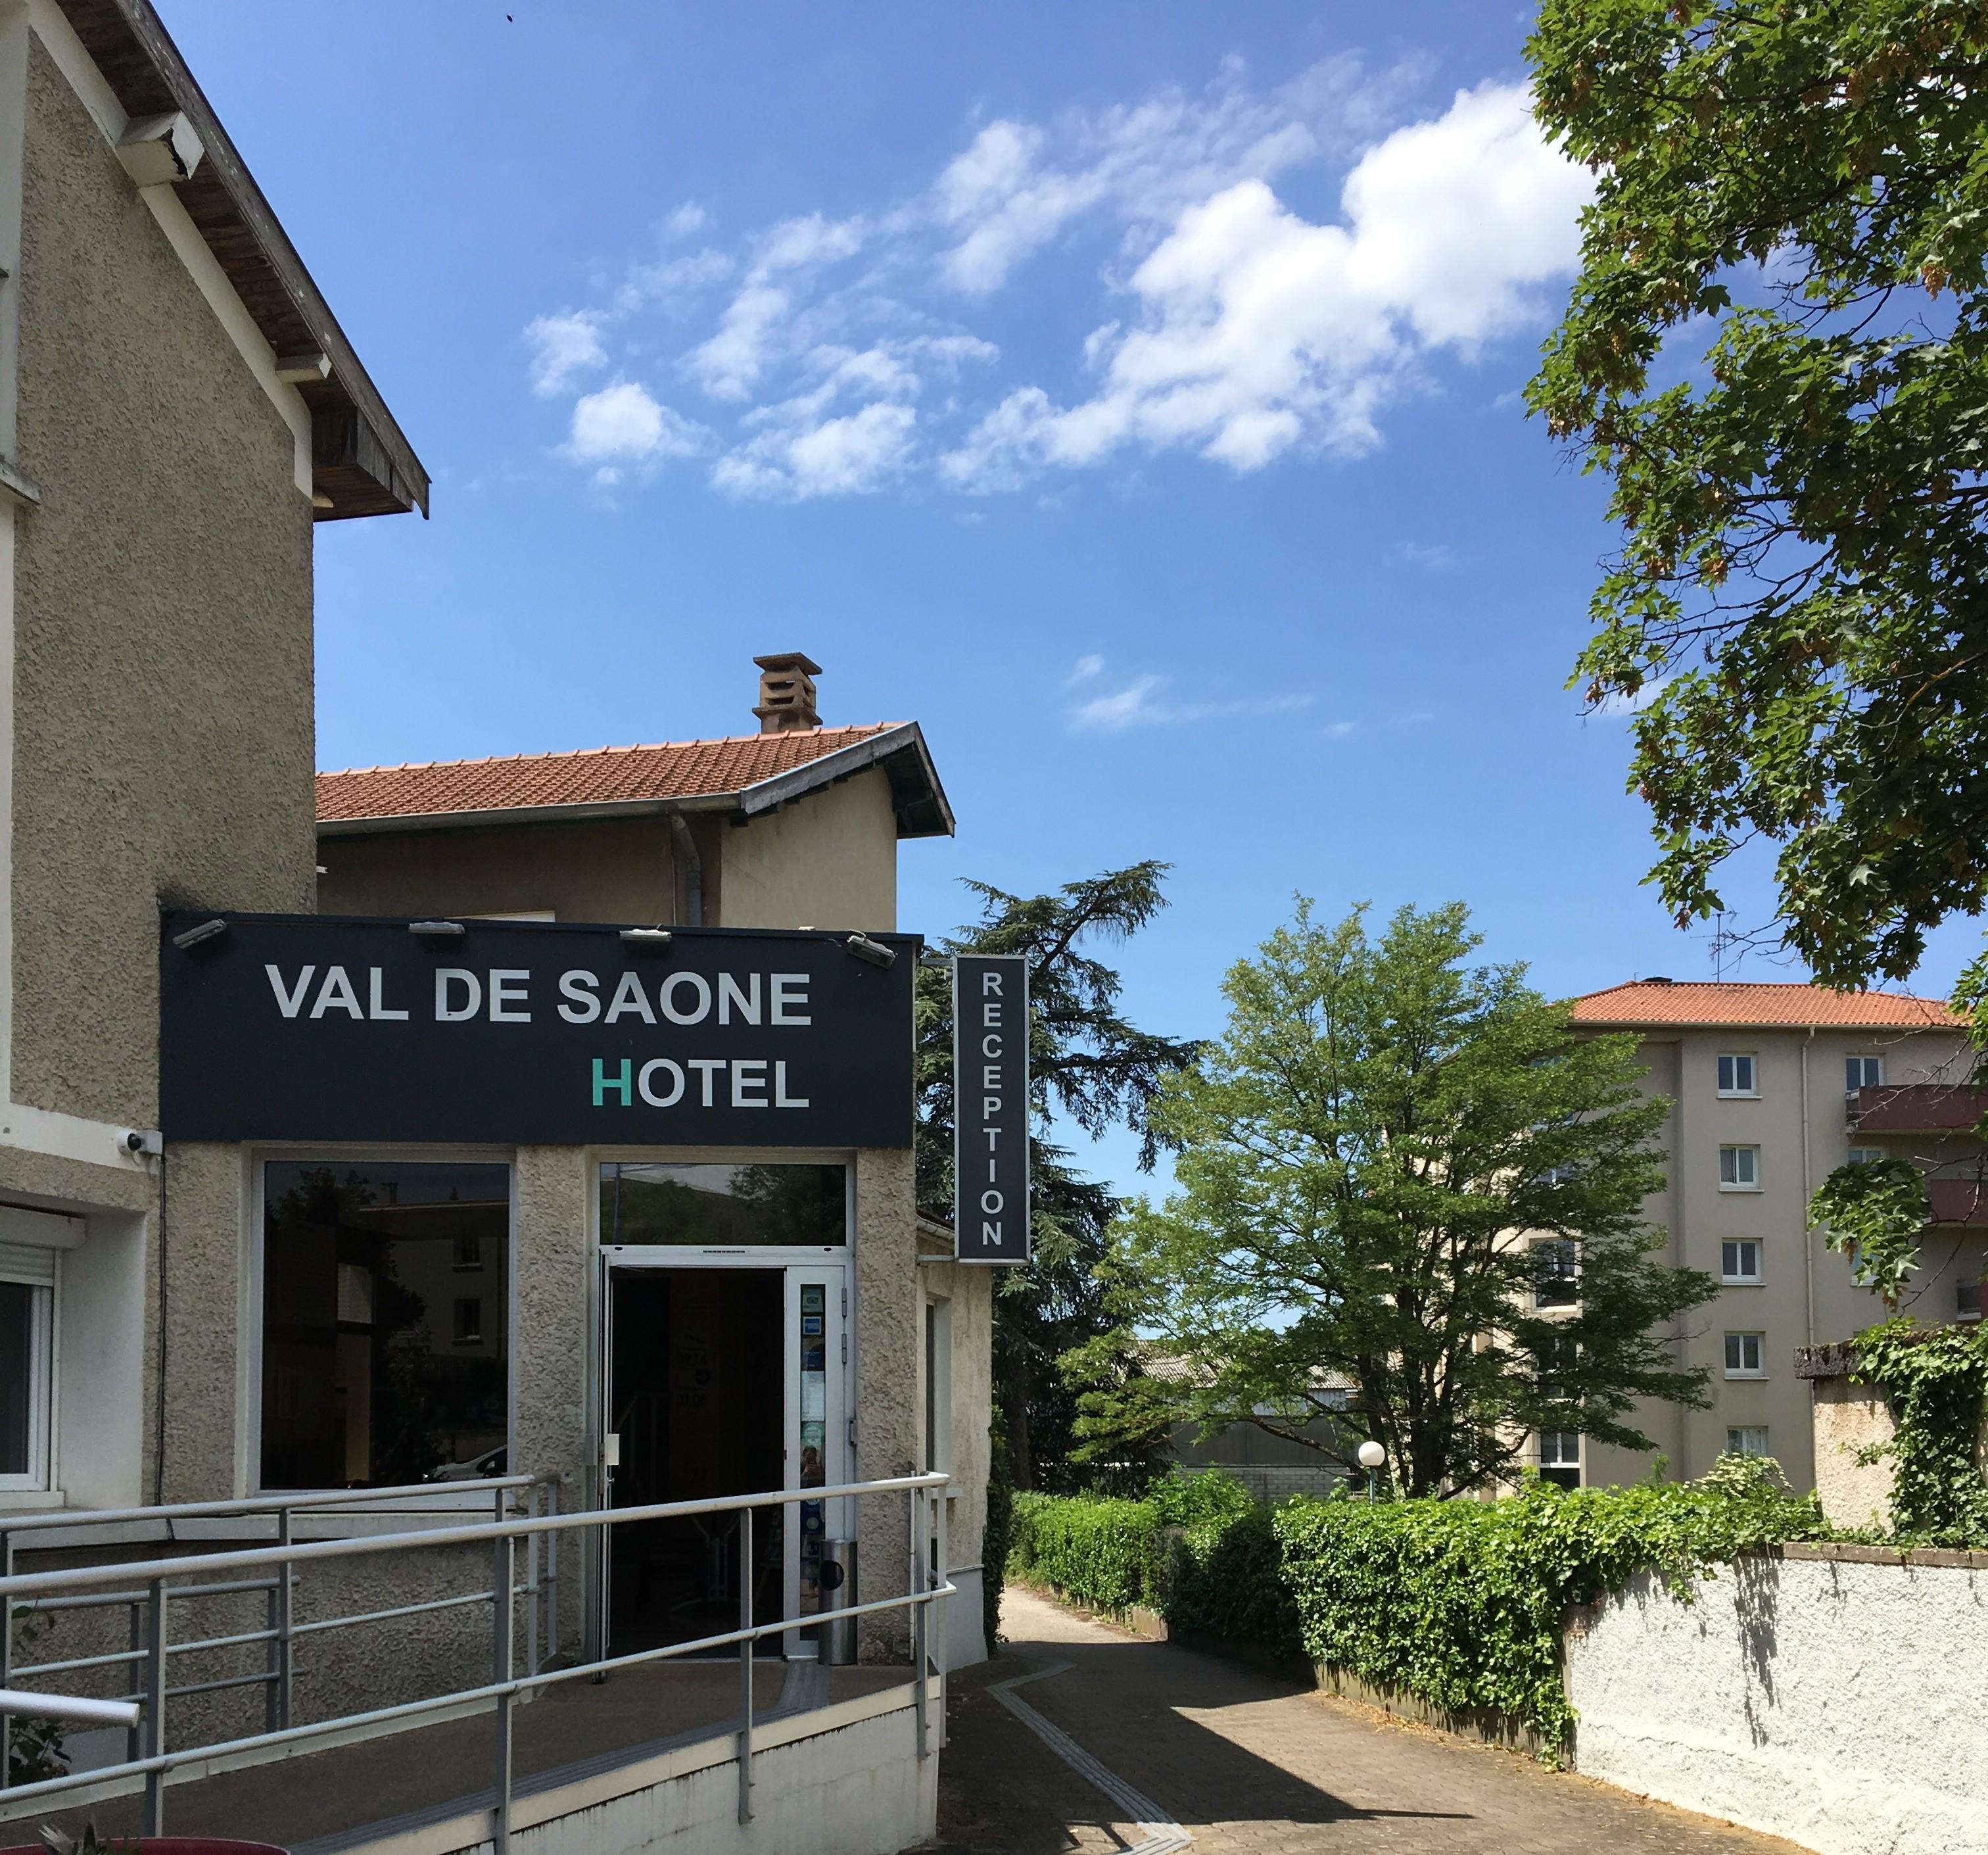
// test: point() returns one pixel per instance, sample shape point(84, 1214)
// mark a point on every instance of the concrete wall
point(1834, 1701)
point(829, 860)
point(1849, 1419)
point(965, 1293)
point(890, 1385)
point(622, 870)
point(163, 722)
point(1805, 1293)
point(160, 745)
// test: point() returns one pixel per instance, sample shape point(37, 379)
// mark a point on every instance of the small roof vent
point(1659, 979)
point(786, 702)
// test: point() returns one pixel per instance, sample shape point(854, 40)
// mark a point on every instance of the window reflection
point(376, 1369)
point(723, 1206)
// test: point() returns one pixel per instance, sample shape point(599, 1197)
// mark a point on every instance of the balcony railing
point(1917, 1107)
point(153, 1588)
point(1963, 1201)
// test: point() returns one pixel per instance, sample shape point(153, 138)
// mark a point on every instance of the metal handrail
point(926, 1541)
point(11, 1523)
point(242, 1558)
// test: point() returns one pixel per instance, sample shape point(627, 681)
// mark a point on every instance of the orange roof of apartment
point(1794, 1006)
point(750, 773)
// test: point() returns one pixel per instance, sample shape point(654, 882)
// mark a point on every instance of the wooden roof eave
point(361, 463)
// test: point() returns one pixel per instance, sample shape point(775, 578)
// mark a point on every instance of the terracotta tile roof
point(670, 769)
point(1663, 1001)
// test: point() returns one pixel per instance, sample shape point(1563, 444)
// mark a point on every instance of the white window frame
point(1866, 1155)
point(40, 1477)
point(1736, 1435)
point(1737, 1183)
point(1568, 1246)
point(1743, 1370)
point(1735, 1057)
point(1559, 1458)
point(1876, 1082)
point(1740, 1279)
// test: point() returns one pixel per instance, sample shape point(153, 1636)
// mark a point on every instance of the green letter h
point(625, 1082)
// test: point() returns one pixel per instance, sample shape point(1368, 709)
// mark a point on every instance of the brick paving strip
point(1242, 1762)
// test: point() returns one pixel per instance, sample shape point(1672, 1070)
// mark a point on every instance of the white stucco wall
point(1838, 1703)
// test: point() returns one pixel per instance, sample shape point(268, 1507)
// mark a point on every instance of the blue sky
point(1127, 392)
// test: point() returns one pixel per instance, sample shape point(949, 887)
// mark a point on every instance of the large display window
point(385, 1322)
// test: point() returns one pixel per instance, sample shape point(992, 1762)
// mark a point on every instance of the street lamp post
point(1372, 1456)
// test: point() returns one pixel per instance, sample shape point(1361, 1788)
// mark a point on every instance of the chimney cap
point(787, 701)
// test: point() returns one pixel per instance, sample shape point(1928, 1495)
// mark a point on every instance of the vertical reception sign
point(990, 1071)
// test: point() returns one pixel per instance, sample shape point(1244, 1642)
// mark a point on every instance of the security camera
point(141, 1140)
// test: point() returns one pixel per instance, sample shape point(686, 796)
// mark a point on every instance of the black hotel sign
point(990, 1069)
point(310, 1028)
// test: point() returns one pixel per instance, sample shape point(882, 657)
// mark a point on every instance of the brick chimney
point(786, 692)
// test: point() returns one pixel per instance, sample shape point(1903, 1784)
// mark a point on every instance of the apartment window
point(1747, 1440)
point(1556, 1274)
point(1867, 1156)
point(1862, 1072)
point(1739, 1169)
point(1746, 1355)
point(468, 1251)
point(1736, 1076)
point(1967, 1301)
point(27, 1295)
point(370, 1377)
point(1559, 1457)
point(1740, 1262)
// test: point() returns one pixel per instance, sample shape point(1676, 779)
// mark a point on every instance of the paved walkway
point(1245, 1761)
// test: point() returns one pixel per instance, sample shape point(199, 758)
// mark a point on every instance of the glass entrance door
point(720, 1375)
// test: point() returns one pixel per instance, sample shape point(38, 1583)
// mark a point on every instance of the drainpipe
point(686, 848)
point(1808, 1235)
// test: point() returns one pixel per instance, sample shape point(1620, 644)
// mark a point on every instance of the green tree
point(1776, 351)
point(1095, 1069)
point(1368, 1163)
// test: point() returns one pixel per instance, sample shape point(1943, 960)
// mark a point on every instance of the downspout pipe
point(692, 866)
point(1807, 1187)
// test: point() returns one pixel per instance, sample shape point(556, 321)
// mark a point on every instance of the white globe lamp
point(1372, 1456)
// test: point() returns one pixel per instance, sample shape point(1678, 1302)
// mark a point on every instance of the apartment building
point(1771, 1087)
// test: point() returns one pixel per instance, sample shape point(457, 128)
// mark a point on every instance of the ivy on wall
point(1935, 1381)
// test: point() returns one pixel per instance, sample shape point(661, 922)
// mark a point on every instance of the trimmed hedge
point(1099, 1552)
point(1461, 1602)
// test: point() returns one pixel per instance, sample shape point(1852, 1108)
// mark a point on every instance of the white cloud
point(1017, 186)
point(1260, 331)
point(1141, 704)
point(843, 456)
point(689, 218)
point(1229, 321)
point(622, 423)
point(1434, 555)
point(1084, 669)
point(567, 345)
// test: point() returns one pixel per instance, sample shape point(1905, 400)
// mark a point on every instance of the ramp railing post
point(745, 1665)
point(532, 1586)
point(155, 1709)
point(284, 1624)
point(503, 1573)
point(6, 1656)
point(920, 1605)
